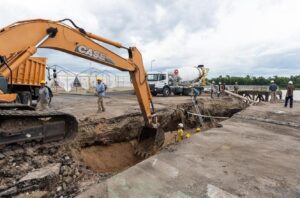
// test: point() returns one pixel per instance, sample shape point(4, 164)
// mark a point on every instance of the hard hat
point(290, 82)
point(180, 125)
point(219, 82)
point(272, 81)
point(213, 81)
point(198, 129)
point(187, 135)
point(43, 81)
point(99, 78)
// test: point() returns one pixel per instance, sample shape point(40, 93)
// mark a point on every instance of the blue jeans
point(287, 99)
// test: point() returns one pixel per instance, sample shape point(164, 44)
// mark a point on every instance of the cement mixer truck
point(179, 81)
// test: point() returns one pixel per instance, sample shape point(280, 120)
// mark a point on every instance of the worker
point(100, 91)
point(196, 93)
point(236, 88)
point(180, 134)
point(212, 89)
point(43, 99)
point(219, 89)
point(273, 88)
point(289, 94)
point(50, 95)
point(224, 88)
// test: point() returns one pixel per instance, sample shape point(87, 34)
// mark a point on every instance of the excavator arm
point(20, 40)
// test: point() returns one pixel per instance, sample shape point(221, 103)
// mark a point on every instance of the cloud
point(258, 37)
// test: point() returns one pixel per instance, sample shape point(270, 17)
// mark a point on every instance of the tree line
point(253, 80)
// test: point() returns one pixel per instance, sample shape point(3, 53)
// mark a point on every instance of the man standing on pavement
point(100, 91)
point(212, 89)
point(236, 88)
point(219, 89)
point(273, 89)
point(43, 99)
point(289, 94)
point(196, 93)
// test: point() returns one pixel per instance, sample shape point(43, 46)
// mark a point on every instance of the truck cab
point(159, 83)
point(180, 82)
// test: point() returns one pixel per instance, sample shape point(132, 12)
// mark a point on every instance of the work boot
point(103, 110)
point(99, 111)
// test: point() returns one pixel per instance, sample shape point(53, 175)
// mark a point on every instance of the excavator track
point(22, 126)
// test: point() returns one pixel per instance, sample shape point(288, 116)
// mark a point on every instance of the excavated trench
point(102, 148)
point(107, 146)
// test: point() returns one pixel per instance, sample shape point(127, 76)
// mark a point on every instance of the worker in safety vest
point(43, 99)
point(100, 91)
point(180, 133)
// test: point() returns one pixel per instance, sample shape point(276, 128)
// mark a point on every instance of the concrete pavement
point(248, 157)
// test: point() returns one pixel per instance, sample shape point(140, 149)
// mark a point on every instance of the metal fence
point(245, 87)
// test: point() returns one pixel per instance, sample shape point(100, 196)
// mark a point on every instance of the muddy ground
point(103, 146)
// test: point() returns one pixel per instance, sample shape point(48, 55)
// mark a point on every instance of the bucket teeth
point(142, 154)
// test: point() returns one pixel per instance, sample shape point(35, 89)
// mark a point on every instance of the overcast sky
point(235, 37)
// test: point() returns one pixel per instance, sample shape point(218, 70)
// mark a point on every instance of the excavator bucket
point(150, 140)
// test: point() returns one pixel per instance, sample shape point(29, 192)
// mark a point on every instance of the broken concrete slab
point(9, 192)
point(48, 171)
point(215, 192)
point(43, 178)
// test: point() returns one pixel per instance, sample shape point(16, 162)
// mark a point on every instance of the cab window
point(152, 77)
point(162, 77)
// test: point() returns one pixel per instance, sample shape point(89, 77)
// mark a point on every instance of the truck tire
point(18, 99)
point(26, 98)
point(166, 92)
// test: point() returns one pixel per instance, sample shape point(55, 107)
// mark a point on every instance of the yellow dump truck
point(22, 84)
point(19, 122)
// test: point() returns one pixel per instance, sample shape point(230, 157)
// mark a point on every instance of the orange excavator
point(20, 40)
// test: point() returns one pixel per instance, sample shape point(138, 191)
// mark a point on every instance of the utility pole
point(152, 63)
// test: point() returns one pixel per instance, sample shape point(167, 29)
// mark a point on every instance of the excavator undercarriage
point(20, 126)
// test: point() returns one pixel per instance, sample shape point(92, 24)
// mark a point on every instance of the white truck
point(178, 82)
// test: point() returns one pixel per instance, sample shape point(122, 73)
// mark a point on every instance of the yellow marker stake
point(188, 135)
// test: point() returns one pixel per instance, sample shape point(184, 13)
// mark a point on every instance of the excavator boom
point(20, 40)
